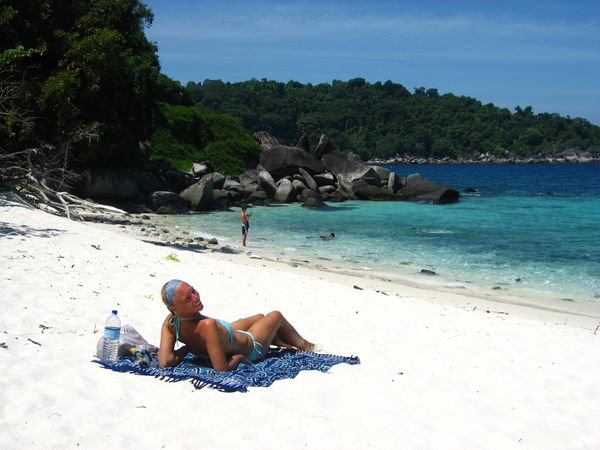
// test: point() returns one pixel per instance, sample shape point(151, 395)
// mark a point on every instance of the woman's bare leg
point(245, 324)
point(275, 325)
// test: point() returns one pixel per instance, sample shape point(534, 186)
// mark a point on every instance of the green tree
point(89, 64)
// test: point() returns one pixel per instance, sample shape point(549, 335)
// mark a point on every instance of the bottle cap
point(114, 311)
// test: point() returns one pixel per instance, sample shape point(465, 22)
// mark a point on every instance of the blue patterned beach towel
point(279, 364)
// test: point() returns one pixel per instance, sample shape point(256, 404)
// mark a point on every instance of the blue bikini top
point(175, 321)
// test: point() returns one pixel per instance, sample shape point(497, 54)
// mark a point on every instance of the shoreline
point(463, 294)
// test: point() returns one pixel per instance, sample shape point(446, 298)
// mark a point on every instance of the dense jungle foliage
point(79, 78)
point(379, 120)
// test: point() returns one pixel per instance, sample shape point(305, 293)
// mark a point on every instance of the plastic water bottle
point(110, 342)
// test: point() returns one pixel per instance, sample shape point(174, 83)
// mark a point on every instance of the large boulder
point(200, 194)
point(308, 180)
point(304, 143)
point(441, 196)
point(421, 189)
point(168, 199)
point(217, 179)
point(384, 174)
point(266, 140)
point(324, 179)
point(299, 185)
point(266, 183)
point(282, 161)
point(313, 202)
point(231, 184)
point(111, 184)
point(250, 176)
point(323, 147)
point(178, 180)
point(348, 171)
point(258, 197)
point(365, 191)
point(285, 191)
point(200, 169)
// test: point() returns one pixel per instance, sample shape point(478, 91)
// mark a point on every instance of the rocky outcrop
point(109, 184)
point(266, 140)
point(304, 143)
point(573, 156)
point(282, 161)
point(285, 192)
point(421, 189)
point(347, 171)
point(200, 194)
point(218, 179)
point(172, 200)
point(286, 174)
point(324, 147)
point(266, 182)
point(308, 180)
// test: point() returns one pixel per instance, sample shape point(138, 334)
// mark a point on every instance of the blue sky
point(544, 54)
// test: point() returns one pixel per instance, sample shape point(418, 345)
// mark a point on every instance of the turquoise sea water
point(530, 227)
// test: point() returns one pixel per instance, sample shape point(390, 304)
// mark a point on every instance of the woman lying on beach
point(226, 344)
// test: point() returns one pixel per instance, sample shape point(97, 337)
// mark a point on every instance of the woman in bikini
point(226, 344)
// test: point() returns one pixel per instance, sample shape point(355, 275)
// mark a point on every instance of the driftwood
point(41, 174)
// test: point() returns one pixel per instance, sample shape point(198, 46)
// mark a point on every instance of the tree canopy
point(384, 119)
point(81, 74)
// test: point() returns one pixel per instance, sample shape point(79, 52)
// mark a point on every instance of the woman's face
point(186, 300)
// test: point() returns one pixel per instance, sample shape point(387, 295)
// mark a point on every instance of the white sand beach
point(440, 369)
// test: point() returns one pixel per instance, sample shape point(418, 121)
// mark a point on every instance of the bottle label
point(112, 332)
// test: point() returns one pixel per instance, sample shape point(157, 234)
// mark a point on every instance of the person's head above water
point(181, 298)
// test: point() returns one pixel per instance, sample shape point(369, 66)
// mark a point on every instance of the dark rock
point(325, 190)
point(299, 186)
point(250, 176)
point(200, 169)
point(165, 210)
point(428, 272)
point(230, 184)
point(324, 147)
point(313, 202)
point(308, 180)
point(384, 174)
point(421, 189)
point(304, 143)
point(307, 193)
point(441, 196)
point(347, 171)
point(324, 179)
point(218, 179)
point(258, 196)
point(265, 139)
point(166, 198)
point(470, 189)
point(266, 183)
point(200, 194)
point(116, 184)
point(178, 180)
point(365, 191)
point(282, 161)
point(285, 191)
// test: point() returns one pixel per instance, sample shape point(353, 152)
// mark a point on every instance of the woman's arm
point(214, 347)
point(167, 355)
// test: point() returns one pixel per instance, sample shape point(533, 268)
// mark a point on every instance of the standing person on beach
point(226, 344)
point(245, 224)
